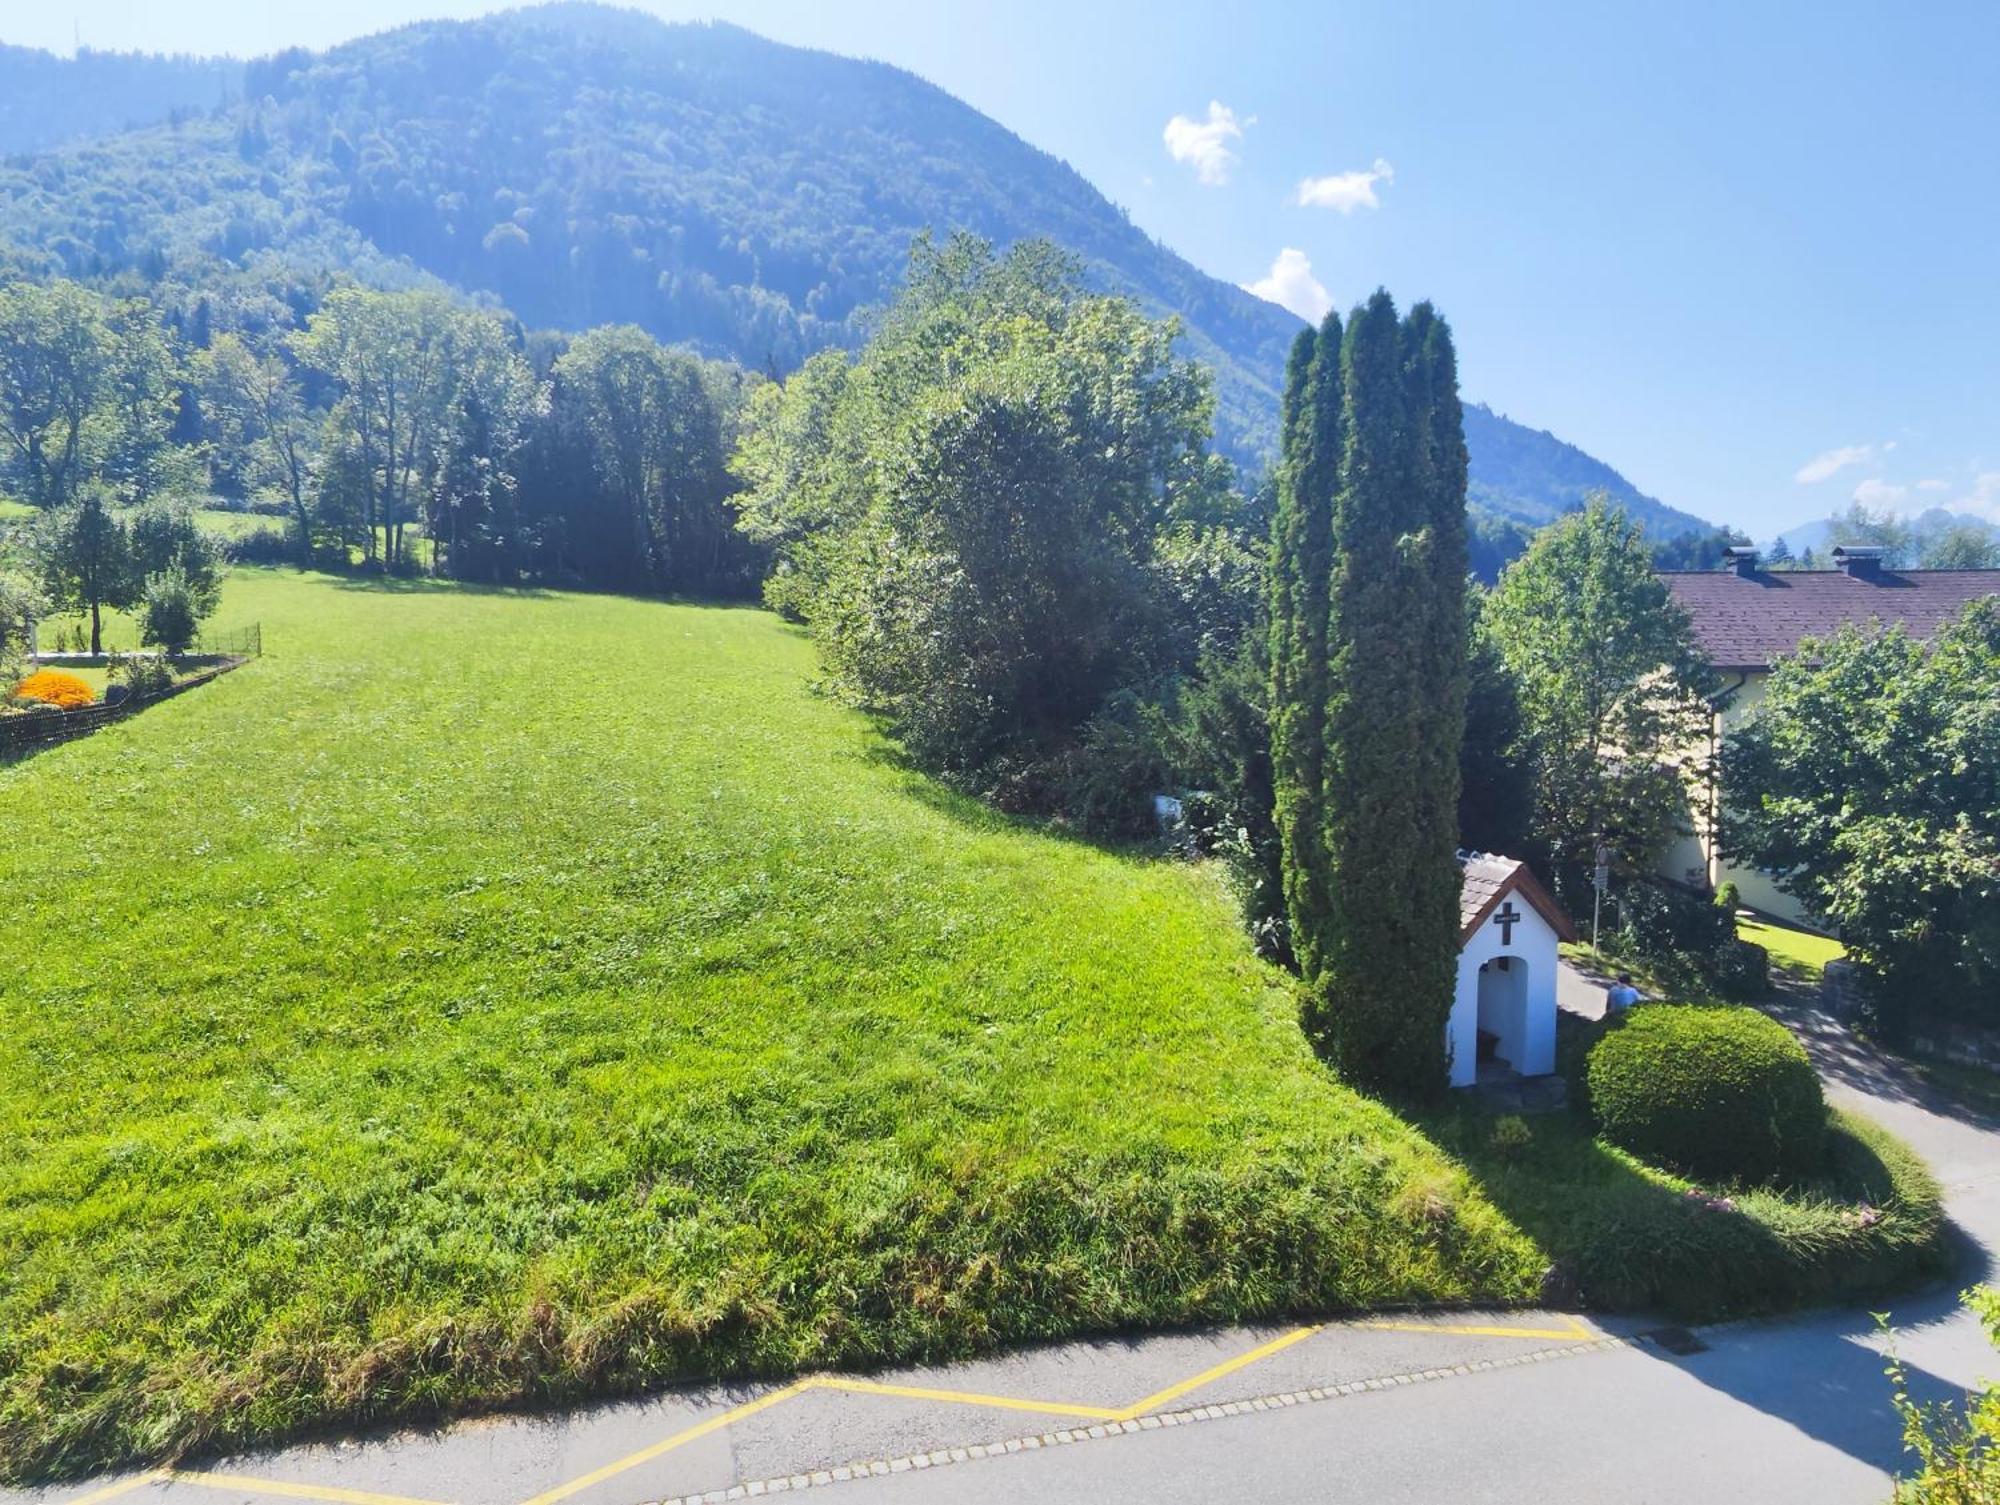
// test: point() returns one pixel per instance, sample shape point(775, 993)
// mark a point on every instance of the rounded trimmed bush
point(1719, 1093)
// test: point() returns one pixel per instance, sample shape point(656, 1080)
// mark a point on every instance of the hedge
point(1871, 1222)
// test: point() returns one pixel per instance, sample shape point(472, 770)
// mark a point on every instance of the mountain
point(47, 100)
point(586, 165)
point(1533, 477)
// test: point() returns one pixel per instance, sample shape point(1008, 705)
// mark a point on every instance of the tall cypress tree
point(1301, 559)
point(1434, 876)
point(1369, 687)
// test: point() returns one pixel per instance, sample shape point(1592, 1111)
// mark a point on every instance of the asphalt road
point(1510, 1406)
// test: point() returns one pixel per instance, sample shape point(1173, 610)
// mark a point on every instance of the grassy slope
point(495, 997)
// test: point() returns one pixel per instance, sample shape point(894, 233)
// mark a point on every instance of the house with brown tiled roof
point(1747, 618)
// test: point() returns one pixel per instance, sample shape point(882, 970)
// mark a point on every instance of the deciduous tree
point(1614, 691)
point(971, 518)
point(257, 410)
point(1868, 784)
point(82, 553)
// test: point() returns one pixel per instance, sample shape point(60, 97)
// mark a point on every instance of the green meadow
point(490, 998)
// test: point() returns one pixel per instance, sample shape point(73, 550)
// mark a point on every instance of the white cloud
point(1824, 467)
point(1291, 284)
point(1204, 144)
point(1347, 191)
point(1933, 485)
point(1880, 495)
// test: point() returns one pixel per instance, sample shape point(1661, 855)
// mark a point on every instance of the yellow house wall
point(1694, 858)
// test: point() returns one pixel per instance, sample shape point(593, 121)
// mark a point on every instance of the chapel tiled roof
point(1489, 879)
point(1750, 621)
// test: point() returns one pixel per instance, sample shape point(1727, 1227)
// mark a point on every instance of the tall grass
point(495, 997)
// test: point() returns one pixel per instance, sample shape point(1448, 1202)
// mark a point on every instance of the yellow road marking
point(831, 1382)
point(966, 1398)
point(288, 1489)
point(666, 1445)
point(1207, 1376)
point(122, 1487)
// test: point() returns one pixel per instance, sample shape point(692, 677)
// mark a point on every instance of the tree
point(1368, 647)
point(1496, 780)
point(972, 517)
point(87, 388)
point(170, 611)
point(1614, 692)
point(139, 457)
point(471, 517)
point(659, 447)
point(82, 552)
point(1780, 556)
point(392, 357)
point(256, 408)
point(20, 609)
point(1968, 546)
point(56, 389)
point(165, 536)
point(1395, 702)
point(1301, 575)
point(1868, 784)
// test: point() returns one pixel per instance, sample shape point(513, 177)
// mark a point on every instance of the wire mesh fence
point(23, 732)
point(240, 642)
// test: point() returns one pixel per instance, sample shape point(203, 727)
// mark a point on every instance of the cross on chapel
point(1506, 917)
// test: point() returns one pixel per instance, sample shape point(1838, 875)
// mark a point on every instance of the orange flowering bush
point(53, 687)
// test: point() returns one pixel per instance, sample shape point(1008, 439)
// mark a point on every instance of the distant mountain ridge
point(47, 100)
point(584, 165)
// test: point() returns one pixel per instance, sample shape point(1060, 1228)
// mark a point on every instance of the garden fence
point(20, 735)
point(241, 642)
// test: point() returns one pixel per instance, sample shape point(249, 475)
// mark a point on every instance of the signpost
point(1600, 880)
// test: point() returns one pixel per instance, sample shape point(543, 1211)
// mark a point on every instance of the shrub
point(1691, 937)
point(1721, 1093)
point(1510, 1137)
point(171, 610)
point(142, 674)
point(263, 546)
point(1741, 970)
point(53, 687)
point(1958, 1447)
point(1663, 922)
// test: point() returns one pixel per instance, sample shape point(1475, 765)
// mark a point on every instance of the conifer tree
point(1369, 699)
point(1301, 559)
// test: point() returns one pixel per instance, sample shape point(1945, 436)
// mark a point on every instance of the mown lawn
point(1800, 953)
point(487, 998)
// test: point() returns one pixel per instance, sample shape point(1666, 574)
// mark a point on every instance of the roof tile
point(1752, 621)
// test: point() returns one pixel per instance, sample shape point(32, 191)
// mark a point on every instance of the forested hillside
point(587, 165)
point(46, 100)
point(1534, 477)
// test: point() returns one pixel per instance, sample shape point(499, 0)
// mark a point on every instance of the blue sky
point(1747, 253)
